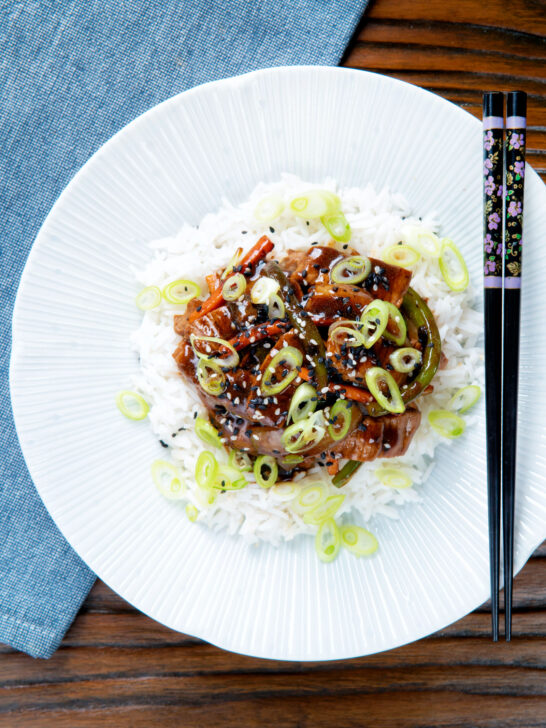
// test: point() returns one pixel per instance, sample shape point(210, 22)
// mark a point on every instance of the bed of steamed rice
point(377, 219)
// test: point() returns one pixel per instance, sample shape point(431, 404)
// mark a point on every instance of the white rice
point(377, 219)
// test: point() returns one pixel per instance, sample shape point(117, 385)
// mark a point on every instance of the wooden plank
point(81, 663)
point(198, 688)
point(521, 15)
point(383, 710)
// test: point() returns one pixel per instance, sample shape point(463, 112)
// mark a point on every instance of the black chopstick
point(493, 138)
point(516, 110)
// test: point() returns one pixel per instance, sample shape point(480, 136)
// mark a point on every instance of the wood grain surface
point(119, 668)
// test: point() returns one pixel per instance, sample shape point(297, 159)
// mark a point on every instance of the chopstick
point(516, 110)
point(493, 138)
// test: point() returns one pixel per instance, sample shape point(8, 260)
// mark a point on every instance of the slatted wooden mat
point(118, 668)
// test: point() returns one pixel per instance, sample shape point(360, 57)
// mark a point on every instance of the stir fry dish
point(318, 357)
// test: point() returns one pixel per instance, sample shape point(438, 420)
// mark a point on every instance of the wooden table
point(118, 668)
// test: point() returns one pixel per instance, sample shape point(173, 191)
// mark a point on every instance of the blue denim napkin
point(71, 75)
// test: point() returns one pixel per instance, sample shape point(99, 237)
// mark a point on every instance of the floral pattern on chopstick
point(515, 173)
point(493, 201)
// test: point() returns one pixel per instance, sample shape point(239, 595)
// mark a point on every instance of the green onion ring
point(351, 270)
point(346, 332)
point(266, 461)
point(276, 309)
point(399, 359)
point(225, 362)
point(232, 263)
point(396, 315)
point(337, 226)
point(148, 298)
point(453, 266)
point(304, 434)
point(132, 405)
point(263, 289)
point(207, 432)
point(234, 287)
point(340, 412)
point(205, 469)
point(315, 203)
point(229, 478)
point(240, 460)
point(303, 403)
point(375, 376)
point(357, 540)
point(168, 480)
point(446, 423)
point(269, 208)
point(191, 512)
point(374, 320)
point(401, 255)
point(181, 291)
point(325, 510)
point(465, 398)
point(393, 477)
point(290, 359)
point(211, 377)
point(327, 540)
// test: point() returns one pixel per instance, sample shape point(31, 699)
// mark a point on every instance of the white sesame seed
point(377, 269)
point(278, 411)
point(236, 400)
point(324, 390)
point(228, 395)
point(375, 286)
point(267, 345)
point(313, 341)
point(233, 438)
point(387, 446)
point(255, 437)
point(372, 441)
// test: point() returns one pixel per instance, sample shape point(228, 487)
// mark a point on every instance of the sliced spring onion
point(374, 320)
point(340, 419)
point(181, 291)
point(464, 399)
point(269, 477)
point(402, 255)
point(168, 480)
point(424, 241)
point(205, 469)
point(148, 298)
point(232, 263)
point(205, 497)
point(226, 362)
point(357, 540)
point(229, 478)
point(346, 332)
point(263, 289)
point(207, 432)
point(276, 309)
point(446, 423)
point(132, 405)
point(406, 359)
point(288, 359)
point(327, 540)
point(234, 287)
point(191, 512)
point(269, 208)
point(240, 460)
point(393, 477)
point(325, 510)
point(304, 402)
point(211, 377)
point(376, 377)
point(453, 266)
point(292, 460)
point(315, 203)
point(310, 497)
point(337, 226)
point(351, 270)
point(396, 315)
point(284, 491)
point(304, 434)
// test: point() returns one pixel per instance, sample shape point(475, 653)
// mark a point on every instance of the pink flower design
point(488, 140)
point(499, 249)
point(519, 168)
point(488, 243)
point(514, 208)
point(487, 165)
point(516, 140)
point(494, 220)
point(489, 185)
point(500, 190)
point(489, 266)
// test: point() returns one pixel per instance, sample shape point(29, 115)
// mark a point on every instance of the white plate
point(75, 311)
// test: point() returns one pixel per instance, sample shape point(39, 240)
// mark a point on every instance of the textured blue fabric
point(71, 75)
